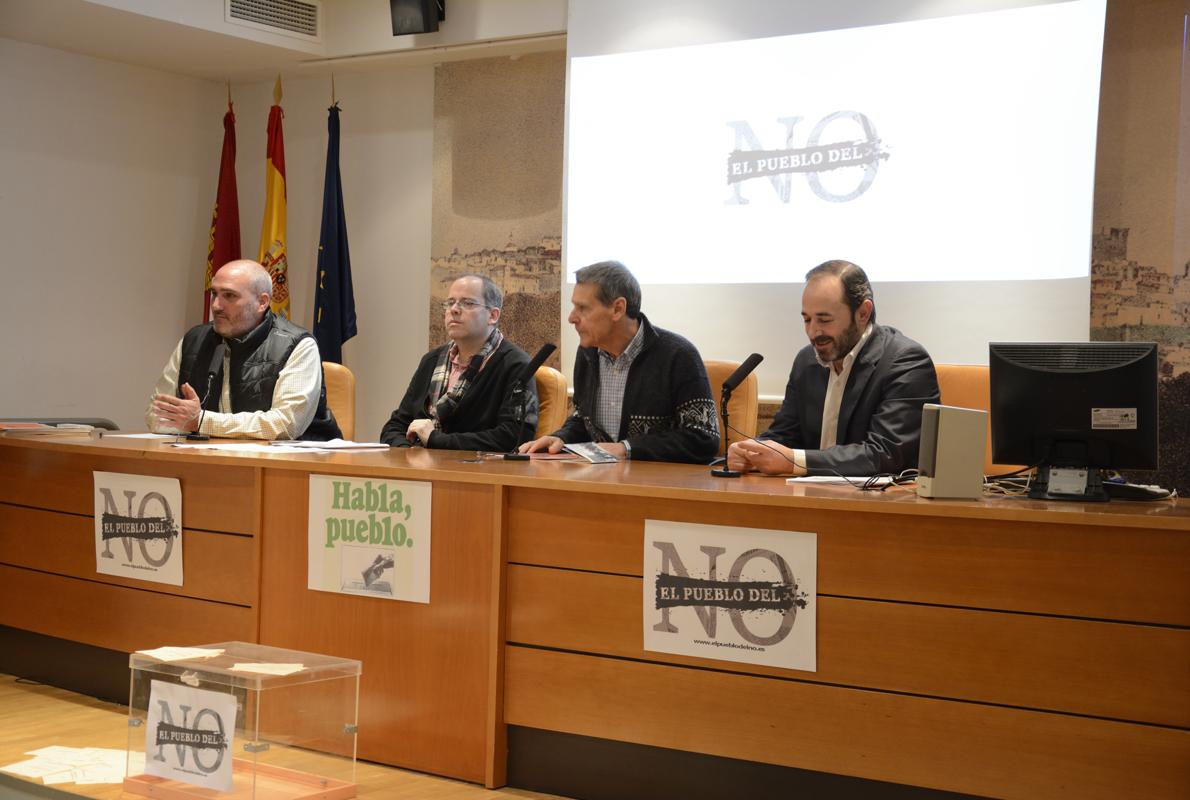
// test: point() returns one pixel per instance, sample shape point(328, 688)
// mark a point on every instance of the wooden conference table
point(1003, 647)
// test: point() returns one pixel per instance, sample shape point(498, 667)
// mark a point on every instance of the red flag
point(224, 243)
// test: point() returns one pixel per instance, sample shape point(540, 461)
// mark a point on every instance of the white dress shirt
point(295, 399)
point(836, 385)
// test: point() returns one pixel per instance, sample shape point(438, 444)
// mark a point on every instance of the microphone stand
point(196, 436)
point(519, 390)
point(725, 471)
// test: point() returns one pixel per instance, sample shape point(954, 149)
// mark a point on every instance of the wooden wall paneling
point(216, 566)
point(1068, 569)
point(116, 617)
point(424, 693)
point(1122, 671)
point(215, 496)
point(963, 747)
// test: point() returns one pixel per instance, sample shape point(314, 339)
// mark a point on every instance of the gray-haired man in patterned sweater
point(639, 391)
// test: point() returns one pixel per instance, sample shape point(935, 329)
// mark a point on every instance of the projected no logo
point(840, 160)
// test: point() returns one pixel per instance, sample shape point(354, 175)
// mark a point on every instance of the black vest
point(256, 362)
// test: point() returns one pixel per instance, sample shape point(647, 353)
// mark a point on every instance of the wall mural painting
point(498, 189)
point(1137, 302)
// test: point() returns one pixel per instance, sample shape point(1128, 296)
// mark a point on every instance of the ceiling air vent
point(299, 18)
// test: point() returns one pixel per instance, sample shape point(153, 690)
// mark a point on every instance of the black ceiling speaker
point(416, 16)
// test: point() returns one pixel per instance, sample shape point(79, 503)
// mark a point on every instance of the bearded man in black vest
point(268, 384)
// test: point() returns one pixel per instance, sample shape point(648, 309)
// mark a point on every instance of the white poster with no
point(138, 527)
point(733, 594)
point(189, 735)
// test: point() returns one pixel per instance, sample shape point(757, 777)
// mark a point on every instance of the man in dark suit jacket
point(853, 402)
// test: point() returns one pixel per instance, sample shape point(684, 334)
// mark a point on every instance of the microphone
point(217, 362)
point(518, 387)
point(212, 371)
point(729, 386)
point(535, 363)
point(742, 371)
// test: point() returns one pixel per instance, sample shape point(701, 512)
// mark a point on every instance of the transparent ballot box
point(208, 728)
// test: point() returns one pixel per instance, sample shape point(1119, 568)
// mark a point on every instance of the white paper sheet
point(180, 653)
point(232, 447)
point(333, 444)
point(140, 436)
point(836, 479)
point(56, 764)
point(268, 669)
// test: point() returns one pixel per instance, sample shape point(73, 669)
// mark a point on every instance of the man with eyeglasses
point(462, 396)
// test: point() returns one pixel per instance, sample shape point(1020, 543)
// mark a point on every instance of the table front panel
point(1128, 672)
point(214, 497)
point(963, 747)
point(1134, 575)
point(216, 566)
point(425, 685)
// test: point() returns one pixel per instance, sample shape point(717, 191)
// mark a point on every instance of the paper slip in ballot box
point(240, 720)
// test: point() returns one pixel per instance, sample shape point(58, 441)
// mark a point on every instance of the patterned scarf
point(441, 404)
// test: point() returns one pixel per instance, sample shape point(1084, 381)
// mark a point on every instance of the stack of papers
point(24, 429)
point(56, 764)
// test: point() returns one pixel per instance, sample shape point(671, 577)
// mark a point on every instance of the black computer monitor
point(1066, 407)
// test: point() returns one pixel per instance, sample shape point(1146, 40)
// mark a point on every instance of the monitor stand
point(1067, 483)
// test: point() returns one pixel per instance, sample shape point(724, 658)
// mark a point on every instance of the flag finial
point(277, 91)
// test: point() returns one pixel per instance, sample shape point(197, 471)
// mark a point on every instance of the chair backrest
point(552, 400)
point(966, 386)
point(340, 396)
point(743, 407)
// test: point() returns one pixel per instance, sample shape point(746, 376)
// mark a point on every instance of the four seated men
point(852, 404)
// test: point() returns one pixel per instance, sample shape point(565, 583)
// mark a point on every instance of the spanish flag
point(272, 231)
point(224, 243)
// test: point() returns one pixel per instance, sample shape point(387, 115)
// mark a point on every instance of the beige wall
point(104, 205)
point(109, 176)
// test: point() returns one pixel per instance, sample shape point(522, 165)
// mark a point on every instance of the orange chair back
point(966, 386)
point(340, 396)
point(743, 407)
point(552, 400)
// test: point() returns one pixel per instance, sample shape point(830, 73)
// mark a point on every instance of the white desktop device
point(950, 458)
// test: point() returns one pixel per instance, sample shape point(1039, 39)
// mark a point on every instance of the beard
point(836, 348)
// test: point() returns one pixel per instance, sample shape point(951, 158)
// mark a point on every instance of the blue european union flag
point(334, 300)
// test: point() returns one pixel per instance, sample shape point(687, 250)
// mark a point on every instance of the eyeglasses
point(465, 304)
